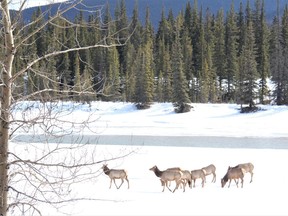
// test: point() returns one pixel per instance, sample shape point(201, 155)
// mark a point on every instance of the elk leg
point(177, 185)
point(183, 182)
point(115, 183)
point(190, 183)
point(214, 178)
point(121, 183)
point(166, 183)
point(203, 181)
point(194, 180)
point(236, 182)
point(127, 182)
point(242, 180)
point(229, 183)
point(251, 176)
point(110, 183)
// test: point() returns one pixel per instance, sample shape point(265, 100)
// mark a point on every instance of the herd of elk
point(182, 177)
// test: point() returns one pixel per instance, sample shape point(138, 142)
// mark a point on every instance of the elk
point(195, 174)
point(115, 174)
point(233, 173)
point(247, 167)
point(208, 170)
point(168, 175)
point(186, 176)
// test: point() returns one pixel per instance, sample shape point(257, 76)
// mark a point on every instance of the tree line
point(196, 56)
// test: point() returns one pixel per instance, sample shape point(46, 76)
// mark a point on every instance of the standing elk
point(233, 173)
point(115, 174)
point(186, 176)
point(168, 175)
point(247, 167)
point(208, 170)
point(195, 174)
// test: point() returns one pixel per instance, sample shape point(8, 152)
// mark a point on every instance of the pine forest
point(192, 57)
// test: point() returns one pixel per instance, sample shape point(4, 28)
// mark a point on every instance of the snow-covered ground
point(203, 120)
point(266, 195)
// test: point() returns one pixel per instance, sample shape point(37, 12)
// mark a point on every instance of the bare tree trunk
point(5, 106)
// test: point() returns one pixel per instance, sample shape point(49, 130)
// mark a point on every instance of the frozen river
point(181, 141)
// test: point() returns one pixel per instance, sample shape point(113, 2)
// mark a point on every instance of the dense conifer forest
point(195, 56)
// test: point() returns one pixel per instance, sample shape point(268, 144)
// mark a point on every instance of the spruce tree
point(130, 76)
point(219, 55)
point(284, 34)
point(167, 75)
point(262, 55)
point(248, 82)
point(231, 55)
point(241, 28)
point(145, 76)
point(277, 59)
point(122, 33)
point(180, 91)
point(77, 85)
point(196, 40)
point(209, 49)
point(187, 51)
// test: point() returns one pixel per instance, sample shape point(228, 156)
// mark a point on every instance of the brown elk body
point(247, 167)
point(167, 176)
point(233, 173)
point(116, 174)
point(208, 170)
point(196, 174)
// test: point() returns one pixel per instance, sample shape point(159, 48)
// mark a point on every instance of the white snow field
point(266, 195)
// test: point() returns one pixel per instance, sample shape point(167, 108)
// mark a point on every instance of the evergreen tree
point(30, 51)
point(196, 40)
point(209, 49)
point(112, 83)
point(77, 87)
point(136, 29)
point(122, 34)
point(277, 60)
point(187, 60)
point(201, 61)
point(248, 80)
point(262, 55)
point(145, 76)
point(111, 79)
point(180, 91)
point(219, 55)
point(231, 55)
point(241, 28)
point(284, 34)
point(130, 74)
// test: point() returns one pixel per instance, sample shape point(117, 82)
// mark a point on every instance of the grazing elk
point(233, 173)
point(195, 174)
point(115, 174)
point(247, 167)
point(168, 175)
point(208, 170)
